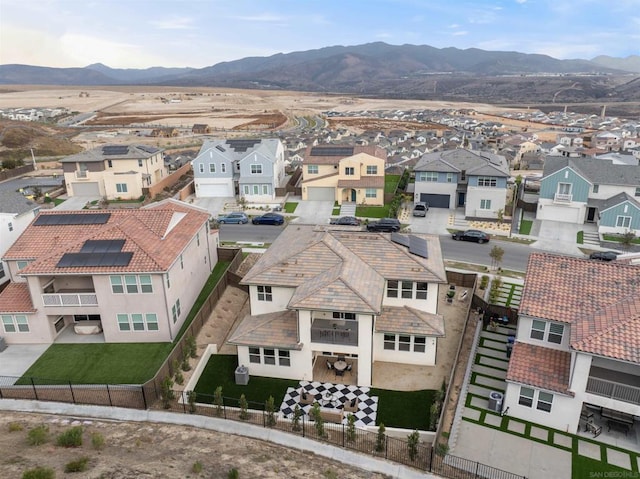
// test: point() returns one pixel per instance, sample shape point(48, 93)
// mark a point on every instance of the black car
point(268, 219)
point(604, 255)
point(346, 220)
point(471, 235)
point(385, 225)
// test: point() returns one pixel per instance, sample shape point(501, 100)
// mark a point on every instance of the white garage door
point(213, 191)
point(321, 194)
point(85, 189)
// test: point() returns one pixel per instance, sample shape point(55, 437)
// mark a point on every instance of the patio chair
point(329, 365)
point(351, 406)
point(340, 358)
point(349, 368)
point(338, 372)
point(306, 398)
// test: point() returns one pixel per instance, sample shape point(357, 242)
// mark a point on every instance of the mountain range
point(379, 69)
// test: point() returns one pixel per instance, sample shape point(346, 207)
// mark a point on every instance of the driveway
point(558, 237)
point(313, 212)
point(17, 358)
point(435, 222)
point(75, 203)
point(215, 206)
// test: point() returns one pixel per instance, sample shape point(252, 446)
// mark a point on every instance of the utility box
point(242, 375)
point(495, 401)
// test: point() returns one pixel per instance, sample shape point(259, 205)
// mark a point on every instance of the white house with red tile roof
point(322, 291)
point(577, 342)
point(132, 274)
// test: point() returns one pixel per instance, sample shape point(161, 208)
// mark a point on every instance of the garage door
point(321, 194)
point(85, 189)
point(436, 201)
point(213, 191)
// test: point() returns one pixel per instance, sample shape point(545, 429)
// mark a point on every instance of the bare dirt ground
point(148, 450)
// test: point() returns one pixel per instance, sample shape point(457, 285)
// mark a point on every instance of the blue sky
point(198, 33)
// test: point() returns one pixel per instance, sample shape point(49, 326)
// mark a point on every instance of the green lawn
point(220, 371)
point(580, 237)
point(582, 466)
point(391, 183)
point(372, 211)
point(525, 227)
point(404, 409)
point(618, 239)
point(115, 363)
point(290, 207)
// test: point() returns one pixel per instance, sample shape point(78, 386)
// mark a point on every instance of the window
point(17, 323)
point(544, 401)
point(1, 270)
point(7, 322)
point(175, 311)
point(407, 289)
point(212, 167)
point(256, 189)
point(256, 169)
point(371, 193)
point(312, 169)
point(22, 264)
point(637, 193)
point(404, 343)
point(116, 284)
point(181, 262)
point(131, 284)
point(372, 169)
point(138, 322)
point(555, 333)
point(265, 293)
point(10, 225)
point(485, 204)
point(538, 329)
point(564, 188)
point(269, 356)
point(349, 171)
point(419, 344)
point(431, 176)
point(390, 341)
point(123, 322)
point(139, 163)
point(526, 396)
point(421, 290)
point(254, 355)
point(121, 187)
point(223, 167)
point(488, 181)
point(110, 163)
point(392, 289)
point(198, 239)
point(339, 315)
point(245, 189)
point(152, 321)
point(623, 221)
point(265, 189)
point(168, 281)
point(596, 188)
point(201, 167)
point(463, 175)
point(449, 177)
point(284, 358)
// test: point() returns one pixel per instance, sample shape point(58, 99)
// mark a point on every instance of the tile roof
point(318, 159)
point(156, 235)
point(460, 159)
point(15, 298)
point(278, 330)
point(540, 367)
point(336, 269)
point(129, 152)
point(596, 170)
point(363, 182)
point(409, 320)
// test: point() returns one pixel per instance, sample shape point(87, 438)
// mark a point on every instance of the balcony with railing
point(614, 385)
point(64, 299)
point(332, 332)
point(82, 174)
point(562, 198)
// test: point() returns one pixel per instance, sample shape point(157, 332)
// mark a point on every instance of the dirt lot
point(147, 450)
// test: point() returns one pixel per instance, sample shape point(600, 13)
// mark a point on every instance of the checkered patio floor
point(367, 407)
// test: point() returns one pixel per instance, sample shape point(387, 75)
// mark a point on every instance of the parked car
point(420, 209)
point(385, 225)
point(346, 220)
point(268, 219)
point(234, 218)
point(604, 255)
point(471, 235)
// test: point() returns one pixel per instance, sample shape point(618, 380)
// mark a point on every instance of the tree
point(297, 414)
point(244, 405)
point(412, 442)
point(270, 408)
point(191, 397)
point(627, 240)
point(167, 392)
point(218, 401)
point(317, 420)
point(496, 255)
point(351, 428)
point(381, 438)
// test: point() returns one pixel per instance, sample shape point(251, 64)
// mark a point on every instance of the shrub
point(39, 473)
point(197, 467)
point(442, 449)
point(191, 346)
point(79, 465)
point(270, 408)
point(97, 440)
point(381, 439)
point(15, 426)
point(178, 377)
point(297, 414)
point(38, 435)
point(167, 392)
point(185, 361)
point(351, 428)
point(318, 422)
point(244, 414)
point(72, 437)
point(412, 443)
point(484, 282)
point(218, 400)
point(233, 474)
point(191, 398)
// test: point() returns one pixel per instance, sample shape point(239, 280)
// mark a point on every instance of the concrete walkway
point(362, 461)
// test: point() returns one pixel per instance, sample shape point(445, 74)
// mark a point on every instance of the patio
point(322, 374)
point(611, 436)
point(69, 336)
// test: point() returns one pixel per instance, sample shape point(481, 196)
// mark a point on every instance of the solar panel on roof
point(400, 239)
point(332, 151)
point(72, 219)
point(242, 145)
point(148, 149)
point(418, 246)
point(78, 260)
point(115, 150)
point(102, 246)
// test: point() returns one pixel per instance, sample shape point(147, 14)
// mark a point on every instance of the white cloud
point(459, 33)
point(264, 17)
point(173, 24)
point(521, 1)
point(383, 35)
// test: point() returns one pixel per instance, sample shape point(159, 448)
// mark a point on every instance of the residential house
point(131, 275)
point(344, 174)
point(475, 180)
point(591, 190)
point(200, 129)
point(252, 168)
point(577, 344)
point(320, 291)
point(113, 171)
point(169, 132)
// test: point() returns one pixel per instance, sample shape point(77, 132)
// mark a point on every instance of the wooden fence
point(14, 172)
point(167, 182)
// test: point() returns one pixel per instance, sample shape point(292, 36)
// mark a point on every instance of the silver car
point(420, 209)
